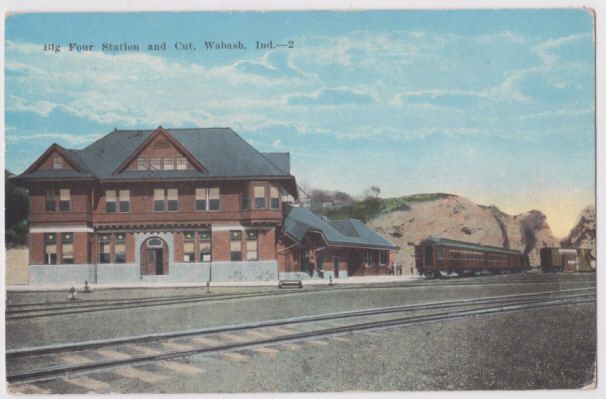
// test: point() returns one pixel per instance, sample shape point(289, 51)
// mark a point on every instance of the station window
point(205, 246)
point(368, 257)
point(57, 163)
point(169, 163)
point(50, 249)
point(245, 199)
point(235, 244)
point(188, 246)
point(124, 199)
point(158, 200)
point(383, 257)
point(64, 200)
point(67, 248)
point(51, 200)
point(115, 200)
point(252, 245)
point(181, 163)
point(110, 201)
point(172, 199)
point(274, 195)
point(214, 199)
point(200, 199)
point(120, 248)
point(105, 248)
point(208, 199)
point(259, 197)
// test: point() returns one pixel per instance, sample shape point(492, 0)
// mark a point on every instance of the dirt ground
point(16, 271)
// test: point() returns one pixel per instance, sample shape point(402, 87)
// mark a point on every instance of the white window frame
point(57, 162)
point(168, 163)
point(143, 163)
point(111, 196)
point(155, 163)
point(208, 194)
point(123, 196)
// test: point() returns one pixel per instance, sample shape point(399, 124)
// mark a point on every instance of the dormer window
point(169, 163)
point(156, 163)
point(57, 163)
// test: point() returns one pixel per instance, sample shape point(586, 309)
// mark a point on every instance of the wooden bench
point(290, 284)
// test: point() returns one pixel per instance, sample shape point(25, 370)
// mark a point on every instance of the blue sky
point(497, 106)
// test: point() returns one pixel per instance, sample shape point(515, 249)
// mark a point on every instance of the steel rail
point(420, 283)
point(57, 371)
point(50, 349)
point(59, 308)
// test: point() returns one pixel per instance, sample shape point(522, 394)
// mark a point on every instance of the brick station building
point(182, 205)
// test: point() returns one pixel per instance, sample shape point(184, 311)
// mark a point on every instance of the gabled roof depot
point(299, 221)
point(221, 152)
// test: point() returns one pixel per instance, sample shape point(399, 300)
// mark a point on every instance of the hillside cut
point(458, 218)
point(583, 233)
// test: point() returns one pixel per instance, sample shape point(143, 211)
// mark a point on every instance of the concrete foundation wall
point(60, 274)
point(131, 273)
point(244, 271)
point(118, 273)
point(189, 272)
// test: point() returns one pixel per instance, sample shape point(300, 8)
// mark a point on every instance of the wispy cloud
point(397, 86)
point(42, 107)
point(59, 138)
point(331, 96)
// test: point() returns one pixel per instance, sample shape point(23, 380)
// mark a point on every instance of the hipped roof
point(299, 221)
point(221, 152)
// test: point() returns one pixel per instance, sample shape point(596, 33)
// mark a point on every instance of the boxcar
point(441, 257)
point(554, 260)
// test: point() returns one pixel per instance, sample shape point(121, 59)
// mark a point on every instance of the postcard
point(300, 201)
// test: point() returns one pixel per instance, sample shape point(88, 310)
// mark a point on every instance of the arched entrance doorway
point(154, 256)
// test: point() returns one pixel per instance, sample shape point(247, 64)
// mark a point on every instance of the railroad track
point(51, 362)
point(46, 309)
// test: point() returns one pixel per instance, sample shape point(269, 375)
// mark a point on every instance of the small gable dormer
point(54, 158)
point(160, 152)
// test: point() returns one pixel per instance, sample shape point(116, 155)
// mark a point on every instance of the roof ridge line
point(194, 128)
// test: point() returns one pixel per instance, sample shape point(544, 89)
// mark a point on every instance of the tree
point(15, 212)
point(372, 192)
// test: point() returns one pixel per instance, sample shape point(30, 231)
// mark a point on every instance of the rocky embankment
point(583, 233)
point(458, 218)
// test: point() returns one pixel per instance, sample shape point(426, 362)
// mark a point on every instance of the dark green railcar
point(441, 257)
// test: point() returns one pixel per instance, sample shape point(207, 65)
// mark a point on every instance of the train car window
point(440, 253)
point(428, 256)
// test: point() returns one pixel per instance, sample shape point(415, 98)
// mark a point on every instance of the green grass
point(370, 208)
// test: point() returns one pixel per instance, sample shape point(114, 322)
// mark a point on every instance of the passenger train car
point(440, 257)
